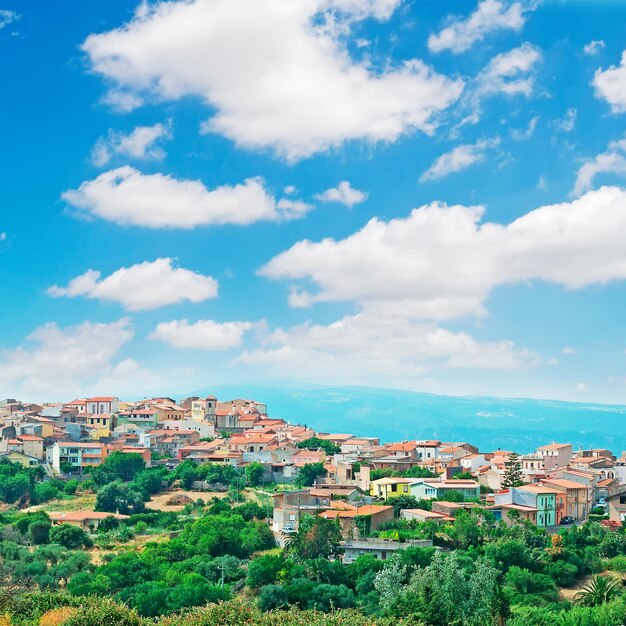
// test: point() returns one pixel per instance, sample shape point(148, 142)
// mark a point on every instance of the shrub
point(56, 617)
point(617, 564)
point(105, 611)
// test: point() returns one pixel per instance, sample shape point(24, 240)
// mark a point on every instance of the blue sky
point(421, 195)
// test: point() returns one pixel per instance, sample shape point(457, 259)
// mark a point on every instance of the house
point(510, 513)
point(88, 520)
point(30, 445)
point(555, 455)
point(381, 549)
point(430, 488)
point(538, 497)
point(354, 518)
point(289, 506)
point(102, 404)
point(304, 457)
point(100, 424)
point(422, 515)
point(79, 454)
point(142, 418)
point(391, 487)
point(203, 428)
point(616, 505)
point(404, 450)
point(19, 457)
point(472, 462)
point(573, 499)
point(78, 405)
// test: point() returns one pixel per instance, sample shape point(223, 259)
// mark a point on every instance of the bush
point(39, 532)
point(273, 597)
point(104, 611)
point(69, 536)
point(617, 564)
point(564, 574)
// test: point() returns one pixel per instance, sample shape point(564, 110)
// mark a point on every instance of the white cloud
point(509, 72)
point(593, 47)
point(121, 101)
point(367, 348)
point(613, 161)
point(552, 362)
point(140, 287)
point(582, 387)
point(3, 236)
point(526, 133)
point(568, 351)
point(610, 85)
point(440, 262)
point(277, 74)
point(77, 360)
point(344, 193)
point(542, 184)
point(458, 159)
point(126, 196)
point(141, 143)
point(204, 334)
point(568, 123)
point(489, 16)
point(7, 17)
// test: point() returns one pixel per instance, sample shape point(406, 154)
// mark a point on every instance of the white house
point(103, 404)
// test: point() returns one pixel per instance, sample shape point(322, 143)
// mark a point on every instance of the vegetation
point(313, 443)
point(513, 476)
point(165, 568)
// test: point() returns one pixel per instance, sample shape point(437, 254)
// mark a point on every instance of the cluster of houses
point(557, 485)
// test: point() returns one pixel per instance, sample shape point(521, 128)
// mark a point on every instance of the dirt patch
point(162, 501)
point(568, 593)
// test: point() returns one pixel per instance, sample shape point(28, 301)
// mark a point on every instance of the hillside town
point(349, 476)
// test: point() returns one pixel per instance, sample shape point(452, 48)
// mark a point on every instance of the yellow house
point(391, 487)
point(20, 457)
point(100, 425)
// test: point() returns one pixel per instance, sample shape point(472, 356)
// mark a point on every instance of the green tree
point(150, 480)
point(308, 473)
point(71, 537)
point(273, 597)
point(316, 536)
point(513, 476)
point(314, 443)
point(118, 466)
point(445, 592)
point(120, 497)
point(39, 532)
point(264, 570)
point(402, 502)
point(254, 473)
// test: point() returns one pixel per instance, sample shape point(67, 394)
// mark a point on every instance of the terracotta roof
point(370, 509)
point(404, 446)
point(536, 489)
point(566, 484)
point(82, 516)
point(606, 482)
point(429, 514)
point(101, 399)
point(555, 446)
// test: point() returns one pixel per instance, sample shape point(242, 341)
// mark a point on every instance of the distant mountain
point(490, 423)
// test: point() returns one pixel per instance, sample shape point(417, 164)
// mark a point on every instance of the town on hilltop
point(341, 476)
